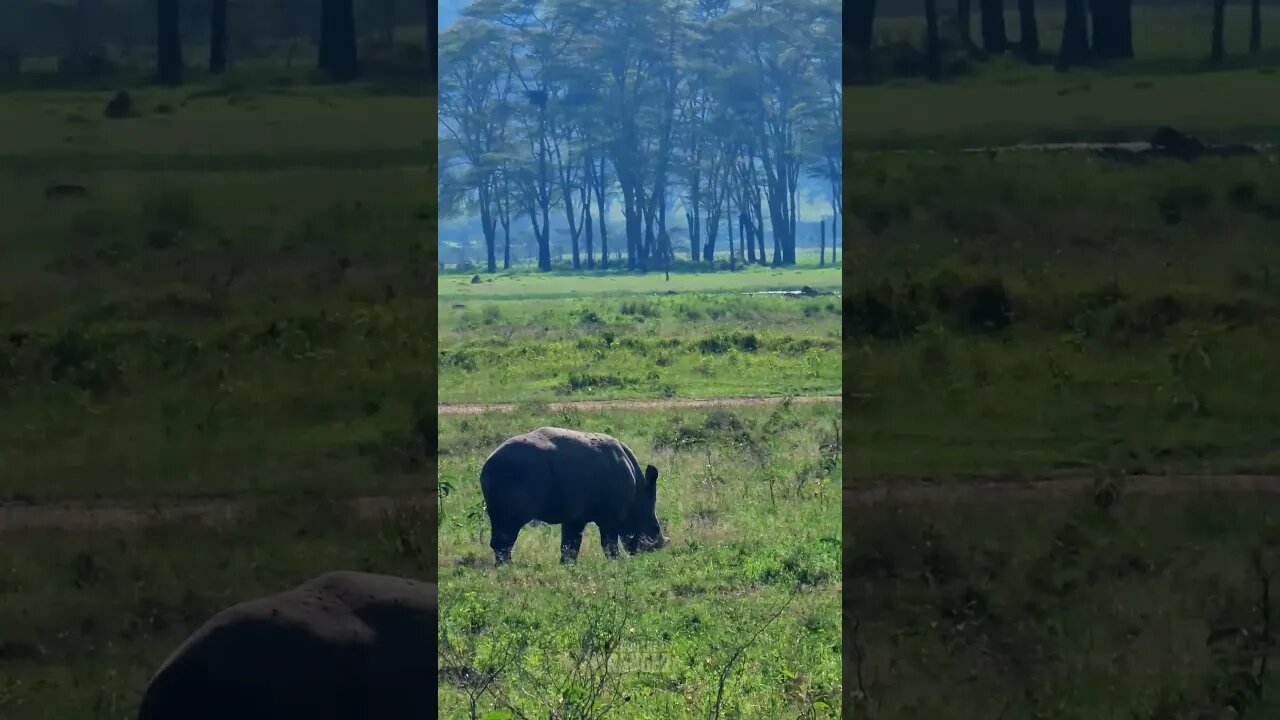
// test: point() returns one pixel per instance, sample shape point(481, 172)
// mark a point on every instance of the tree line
point(78, 30)
point(1093, 30)
point(716, 106)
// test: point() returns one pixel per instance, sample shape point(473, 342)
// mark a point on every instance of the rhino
point(342, 645)
point(570, 478)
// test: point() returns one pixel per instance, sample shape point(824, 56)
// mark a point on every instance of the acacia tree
point(473, 111)
point(338, 57)
point(666, 105)
point(1217, 47)
point(218, 37)
point(1255, 27)
point(1029, 31)
point(995, 39)
point(169, 64)
point(1074, 49)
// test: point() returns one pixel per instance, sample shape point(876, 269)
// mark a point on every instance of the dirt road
point(102, 515)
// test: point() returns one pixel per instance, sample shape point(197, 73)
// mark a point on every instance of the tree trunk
point(1217, 49)
point(218, 38)
point(433, 39)
point(168, 43)
point(822, 243)
point(1075, 36)
point(859, 27)
point(604, 232)
point(1255, 27)
point(964, 24)
point(338, 58)
point(994, 38)
point(1112, 29)
point(1029, 31)
point(933, 62)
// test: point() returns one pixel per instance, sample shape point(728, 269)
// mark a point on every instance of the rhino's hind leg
point(570, 541)
point(502, 538)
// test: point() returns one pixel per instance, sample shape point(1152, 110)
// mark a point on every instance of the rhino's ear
point(651, 474)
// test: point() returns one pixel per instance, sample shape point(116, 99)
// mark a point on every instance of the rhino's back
point(317, 648)
point(555, 474)
point(560, 453)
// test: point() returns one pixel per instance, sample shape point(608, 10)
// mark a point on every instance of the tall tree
point(433, 38)
point(338, 57)
point(859, 26)
point(1029, 31)
point(1255, 27)
point(995, 39)
point(1217, 47)
point(933, 54)
point(964, 24)
point(1112, 29)
point(1074, 49)
point(218, 37)
point(169, 64)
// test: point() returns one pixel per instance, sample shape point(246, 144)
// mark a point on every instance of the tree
point(1074, 49)
point(1029, 32)
point(995, 40)
point(338, 58)
point(433, 39)
point(168, 43)
point(859, 29)
point(218, 37)
point(1255, 27)
point(705, 111)
point(1217, 47)
point(933, 62)
point(964, 24)
point(1112, 29)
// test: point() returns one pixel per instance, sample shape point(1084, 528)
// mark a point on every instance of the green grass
point(1038, 315)
point(1020, 104)
point(1135, 335)
point(545, 286)
point(685, 345)
point(749, 500)
point(1006, 101)
point(212, 121)
point(207, 326)
point(1152, 607)
point(87, 617)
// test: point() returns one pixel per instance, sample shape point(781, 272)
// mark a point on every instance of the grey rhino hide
point(342, 645)
point(568, 477)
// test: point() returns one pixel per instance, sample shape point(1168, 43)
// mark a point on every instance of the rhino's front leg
point(609, 542)
point(570, 541)
point(501, 540)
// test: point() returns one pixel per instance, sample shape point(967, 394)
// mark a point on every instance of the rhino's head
point(644, 533)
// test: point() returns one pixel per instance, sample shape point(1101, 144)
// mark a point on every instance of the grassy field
point(996, 327)
point(1031, 315)
point(748, 500)
point(167, 335)
point(87, 616)
point(524, 343)
point(1006, 101)
point(1133, 608)
point(240, 307)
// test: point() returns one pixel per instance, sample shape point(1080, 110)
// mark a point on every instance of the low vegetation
point(749, 500)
